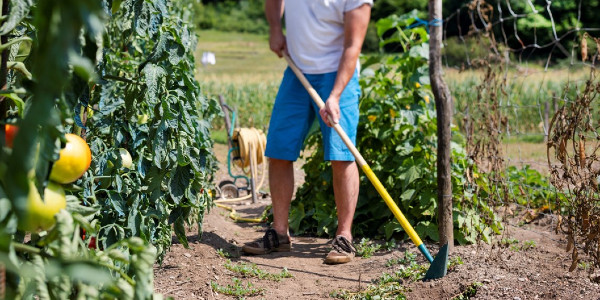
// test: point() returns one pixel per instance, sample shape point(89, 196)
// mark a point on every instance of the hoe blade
point(439, 266)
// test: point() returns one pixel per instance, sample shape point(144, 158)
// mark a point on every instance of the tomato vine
point(120, 73)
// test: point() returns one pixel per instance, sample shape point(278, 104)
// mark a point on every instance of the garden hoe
point(439, 265)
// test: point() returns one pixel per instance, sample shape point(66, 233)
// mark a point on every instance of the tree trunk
point(444, 108)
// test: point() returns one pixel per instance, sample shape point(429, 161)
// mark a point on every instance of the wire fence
point(526, 105)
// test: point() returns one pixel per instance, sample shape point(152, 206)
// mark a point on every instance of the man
point(324, 39)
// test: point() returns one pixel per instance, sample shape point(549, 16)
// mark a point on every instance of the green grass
point(238, 289)
point(241, 58)
point(247, 74)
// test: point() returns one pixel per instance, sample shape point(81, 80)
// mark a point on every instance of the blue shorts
point(294, 112)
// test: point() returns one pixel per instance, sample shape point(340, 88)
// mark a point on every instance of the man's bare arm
point(273, 13)
point(356, 22)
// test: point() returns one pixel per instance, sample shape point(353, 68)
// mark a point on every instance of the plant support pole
point(444, 109)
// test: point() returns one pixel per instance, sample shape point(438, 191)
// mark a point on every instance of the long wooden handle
point(361, 161)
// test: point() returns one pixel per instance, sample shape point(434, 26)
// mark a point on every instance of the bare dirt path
point(540, 272)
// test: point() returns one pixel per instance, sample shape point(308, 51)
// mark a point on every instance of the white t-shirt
point(315, 32)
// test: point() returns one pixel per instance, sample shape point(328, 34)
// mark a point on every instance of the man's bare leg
point(281, 183)
point(345, 188)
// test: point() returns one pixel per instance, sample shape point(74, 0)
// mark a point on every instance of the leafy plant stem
point(116, 269)
point(12, 42)
point(26, 248)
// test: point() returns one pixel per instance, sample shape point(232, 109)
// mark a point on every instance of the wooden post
point(444, 108)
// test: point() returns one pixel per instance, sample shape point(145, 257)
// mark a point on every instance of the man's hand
point(356, 22)
point(277, 42)
point(331, 110)
point(274, 12)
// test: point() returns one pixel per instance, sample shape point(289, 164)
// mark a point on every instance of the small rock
point(517, 298)
point(522, 279)
point(216, 277)
point(486, 281)
point(187, 255)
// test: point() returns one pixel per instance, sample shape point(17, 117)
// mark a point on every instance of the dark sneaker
point(342, 251)
point(270, 242)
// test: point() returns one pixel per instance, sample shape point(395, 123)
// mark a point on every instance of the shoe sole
point(262, 251)
point(338, 260)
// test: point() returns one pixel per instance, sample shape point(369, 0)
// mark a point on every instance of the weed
point(515, 248)
point(389, 245)
point(505, 242)
point(583, 265)
point(528, 245)
point(514, 244)
point(392, 290)
point(222, 253)
point(409, 269)
point(389, 285)
point(366, 248)
point(469, 292)
point(238, 289)
point(408, 257)
point(251, 270)
point(455, 261)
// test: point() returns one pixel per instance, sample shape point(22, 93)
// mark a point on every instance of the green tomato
point(142, 119)
point(39, 214)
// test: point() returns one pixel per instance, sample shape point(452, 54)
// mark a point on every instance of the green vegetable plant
point(96, 66)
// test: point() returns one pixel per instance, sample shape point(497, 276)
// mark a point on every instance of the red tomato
point(10, 132)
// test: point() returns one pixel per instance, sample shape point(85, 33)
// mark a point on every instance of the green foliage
point(113, 56)
point(251, 270)
point(365, 248)
point(148, 69)
point(223, 253)
point(530, 188)
point(238, 289)
point(516, 246)
point(532, 26)
point(455, 261)
point(470, 291)
point(230, 15)
point(391, 290)
point(397, 135)
point(253, 103)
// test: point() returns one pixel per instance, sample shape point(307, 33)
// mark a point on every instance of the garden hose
point(234, 216)
point(251, 143)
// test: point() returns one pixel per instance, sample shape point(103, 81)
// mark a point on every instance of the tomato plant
point(95, 66)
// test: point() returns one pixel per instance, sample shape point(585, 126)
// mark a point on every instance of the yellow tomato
point(39, 214)
point(74, 160)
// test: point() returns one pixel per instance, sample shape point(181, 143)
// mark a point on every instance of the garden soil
point(540, 272)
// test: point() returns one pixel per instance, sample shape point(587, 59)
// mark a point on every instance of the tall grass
point(252, 102)
point(247, 74)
